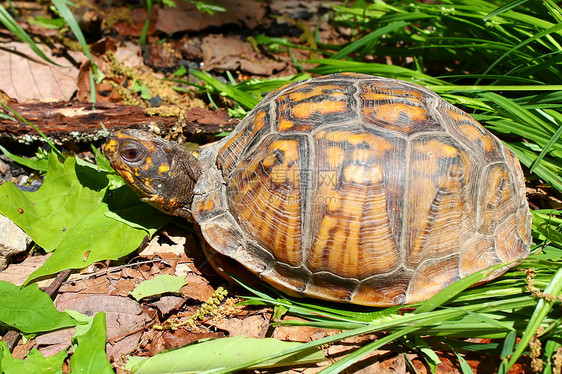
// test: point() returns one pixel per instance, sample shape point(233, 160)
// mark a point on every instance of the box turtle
point(346, 187)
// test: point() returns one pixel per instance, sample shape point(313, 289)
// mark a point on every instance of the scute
point(362, 189)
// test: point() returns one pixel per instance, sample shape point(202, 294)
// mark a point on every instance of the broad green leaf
point(87, 322)
point(162, 283)
point(89, 349)
point(68, 215)
point(35, 363)
point(30, 310)
point(223, 354)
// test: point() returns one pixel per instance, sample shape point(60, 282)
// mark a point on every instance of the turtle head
point(161, 173)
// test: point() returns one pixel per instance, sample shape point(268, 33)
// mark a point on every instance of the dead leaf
point(166, 340)
point(125, 319)
point(25, 77)
point(18, 273)
point(160, 244)
point(222, 53)
point(136, 24)
point(185, 16)
point(300, 333)
point(123, 315)
point(210, 117)
point(253, 326)
point(197, 288)
point(51, 343)
point(166, 304)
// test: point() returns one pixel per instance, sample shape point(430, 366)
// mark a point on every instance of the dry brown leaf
point(18, 273)
point(166, 304)
point(185, 17)
point(173, 244)
point(300, 333)
point(25, 77)
point(123, 315)
point(197, 288)
point(222, 53)
point(253, 326)
point(51, 343)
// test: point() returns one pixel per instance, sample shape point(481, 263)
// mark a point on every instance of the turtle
point(347, 188)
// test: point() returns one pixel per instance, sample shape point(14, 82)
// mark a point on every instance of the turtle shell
point(361, 189)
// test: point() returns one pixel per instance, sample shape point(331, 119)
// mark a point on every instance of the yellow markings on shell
point(280, 174)
point(470, 130)
point(473, 134)
point(300, 94)
point(391, 112)
point(335, 156)
point(351, 74)
point(289, 147)
point(238, 141)
point(449, 150)
point(209, 205)
point(334, 200)
point(269, 160)
point(163, 168)
point(316, 259)
point(411, 94)
point(434, 149)
point(233, 140)
point(285, 124)
point(306, 109)
point(353, 206)
point(353, 173)
point(340, 136)
point(377, 146)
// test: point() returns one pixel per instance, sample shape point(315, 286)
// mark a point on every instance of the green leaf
point(87, 322)
point(89, 349)
point(34, 364)
point(222, 354)
point(48, 23)
point(162, 283)
point(32, 163)
point(30, 310)
point(68, 215)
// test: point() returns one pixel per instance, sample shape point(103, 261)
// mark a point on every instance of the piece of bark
point(80, 122)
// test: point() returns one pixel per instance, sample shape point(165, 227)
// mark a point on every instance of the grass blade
point(20, 33)
point(234, 93)
point(368, 39)
point(504, 8)
point(543, 307)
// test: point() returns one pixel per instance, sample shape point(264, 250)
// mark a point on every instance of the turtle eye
point(130, 154)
